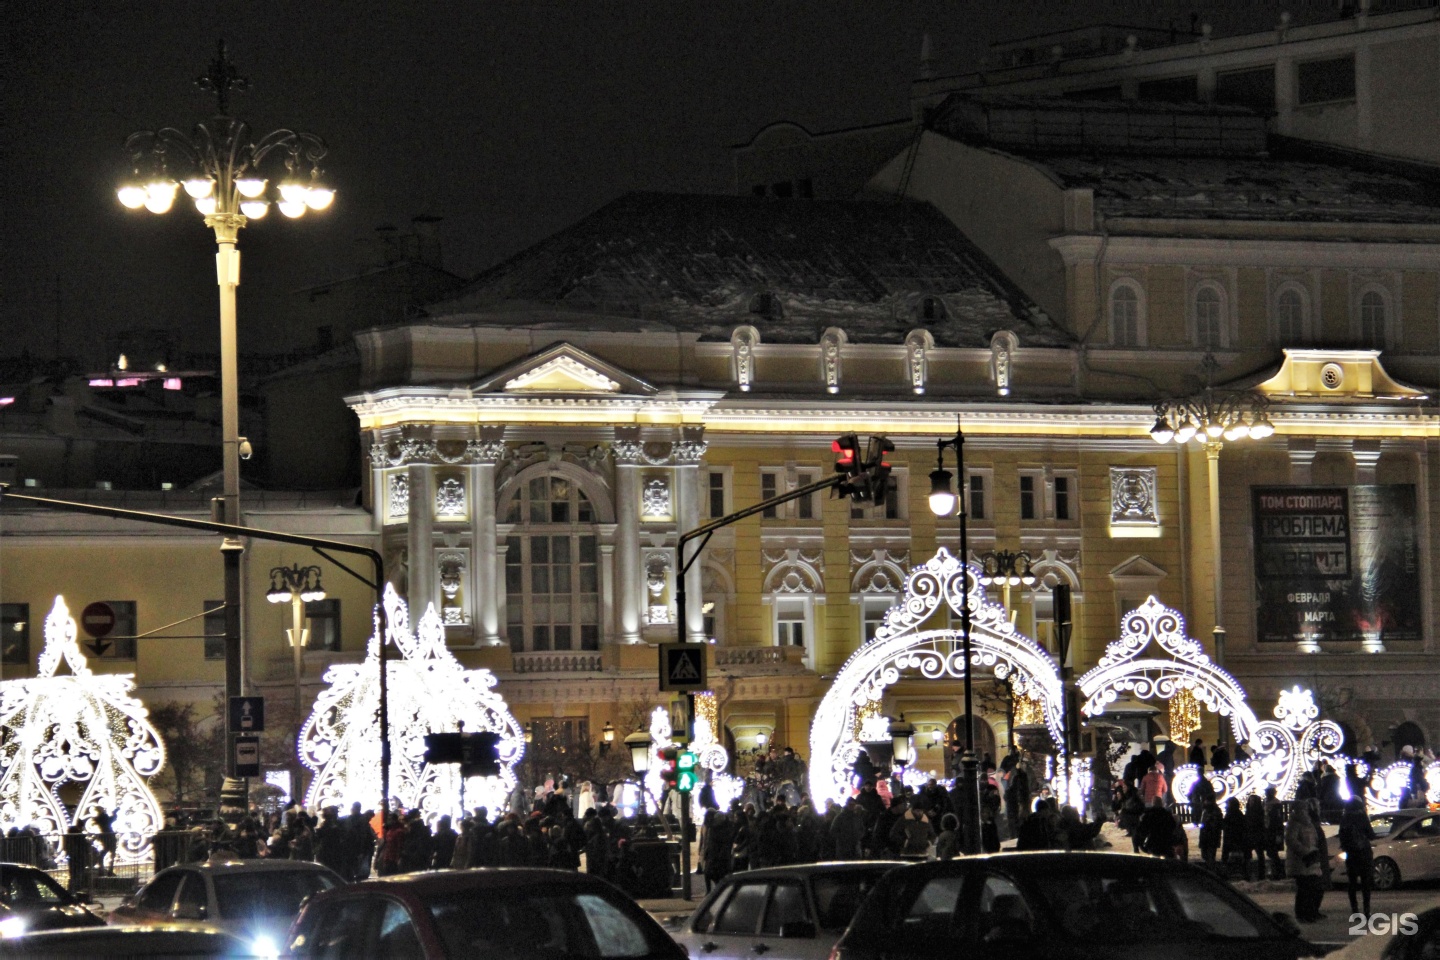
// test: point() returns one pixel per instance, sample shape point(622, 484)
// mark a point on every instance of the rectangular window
point(1325, 81)
point(1248, 88)
point(978, 506)
point(125, 620)
point(769, 488)
point(807, 508)
point(716, 494)
point(1062, 498)
point(1027, 497)
point(15, 633)
point(324, 623)
point(889, 510)
point(874, 615)
point(789, 625)
point(214, 629)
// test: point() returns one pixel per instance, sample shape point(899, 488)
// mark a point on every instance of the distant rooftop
point(706, 263)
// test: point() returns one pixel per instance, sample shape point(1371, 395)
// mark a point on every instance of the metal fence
point(81, 865)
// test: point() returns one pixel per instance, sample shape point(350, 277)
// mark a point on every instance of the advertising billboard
point(1336, 563)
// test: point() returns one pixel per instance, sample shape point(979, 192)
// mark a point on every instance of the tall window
point(715, 494)
point(1125, 316)
point(1209, 318)
point(979, 502)
point(1062, 498)
point(125, 621)
point(552, 579)
point(807, 508)
point(1290, 317)
point(214, 629)
point(769, 488)
point(1028, 509)
point(323, 619)
point(873, 614)
point(1372, 320)
point(789, 623)
point(15, 633)
point(774, 481)
point(889, 510)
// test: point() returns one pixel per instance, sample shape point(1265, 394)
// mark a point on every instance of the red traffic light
point(847, 454)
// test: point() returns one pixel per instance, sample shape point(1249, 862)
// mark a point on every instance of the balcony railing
point(758, 656)
point(588, 661)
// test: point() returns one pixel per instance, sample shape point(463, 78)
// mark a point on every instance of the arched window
point(552, 571)
point(1290, 317)
point(1126, 316)
point(1374, 319)
point(1209, 318)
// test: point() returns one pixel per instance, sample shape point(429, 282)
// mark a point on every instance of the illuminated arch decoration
point(80, 728)
point(1387, 785)
point(1284, 748)
point(710, 756)
point(900, 645)
point(430, 692)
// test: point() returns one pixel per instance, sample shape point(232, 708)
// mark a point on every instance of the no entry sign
point(98, 619)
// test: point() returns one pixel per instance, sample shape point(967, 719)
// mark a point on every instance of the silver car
point(1407, 847)
point(783, 913)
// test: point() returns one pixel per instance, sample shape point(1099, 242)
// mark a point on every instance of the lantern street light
point(1211, 418)
point(222, 169)
point(639, 744)
point(901, 748)
point(607, 738)
point(297, 586)
point(1007, 569)
point(942, 502)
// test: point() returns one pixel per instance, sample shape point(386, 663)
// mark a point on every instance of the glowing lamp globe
point(132, 196)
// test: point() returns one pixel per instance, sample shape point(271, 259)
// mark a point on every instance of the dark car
point(95, 942)
point(787, 913)
point(1067, 906)
point(31, 900)
point(498, 913)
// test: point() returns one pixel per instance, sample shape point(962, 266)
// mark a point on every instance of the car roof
point(1412, 812)
point(1040, 861)
point(444, 881)
point(255, 866)
point(825, 867)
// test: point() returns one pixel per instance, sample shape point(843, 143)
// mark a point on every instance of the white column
point(628, 585)
point(607, 591)
point(1366, 454)
point(486, 577)
point(1302, 459)
point(688, 454)
point(420, 538)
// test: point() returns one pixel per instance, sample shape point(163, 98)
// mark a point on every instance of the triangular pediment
point(1335, 375)
point(1137, 568)
point(563, 368)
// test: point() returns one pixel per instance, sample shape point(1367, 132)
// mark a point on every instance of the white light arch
point(899, 645)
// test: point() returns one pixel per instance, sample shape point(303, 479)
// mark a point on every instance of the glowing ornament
point(1184, 716)
point(79, 730)
point(430, 692)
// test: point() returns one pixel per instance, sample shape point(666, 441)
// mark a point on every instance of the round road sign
point(98, 619)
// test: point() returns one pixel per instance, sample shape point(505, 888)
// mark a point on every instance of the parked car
point(1407, 847)
point(1409, 934)
point(786, 913)
point(253, 899)
point(31, 900)
point(93, 942)
point(499, 913)
point(1073, 906)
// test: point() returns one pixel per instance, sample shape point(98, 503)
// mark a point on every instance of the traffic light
point(669, 765)
point(847, 456)
point(878, 468)
point(480, 754)
point(442, 748)
point(688, 774)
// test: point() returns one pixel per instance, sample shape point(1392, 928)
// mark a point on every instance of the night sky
point(508, 119)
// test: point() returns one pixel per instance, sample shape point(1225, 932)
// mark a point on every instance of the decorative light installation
point(1184, 716)
point(900, 645)
point(430, 692)
point(711, 755)
point(1387, 786)
point(79, 729)
point(1029, 712)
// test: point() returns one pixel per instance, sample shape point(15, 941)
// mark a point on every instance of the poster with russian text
point(1336, 563)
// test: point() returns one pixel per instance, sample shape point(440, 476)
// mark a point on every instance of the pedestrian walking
point(1356, 837)
point(1211, 826)
point(1305, 860)
point(1197, 755)
point(1152, 786)
point(1274, 832)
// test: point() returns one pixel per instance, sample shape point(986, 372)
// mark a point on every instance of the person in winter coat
point(1017, 797)
point(1219, 758)
point(1075, 833)
point(597, 861)
point(911, 834)
point(716, 850)
point(947, 843)
point(1356, 835)
point(388, 857)
point(1157, 830)
point(1305, 859)
point(1211, 826)
point(1130, 807)
point(1274, 832)
point(847, 831)
point(442, 844)
point(1236, 849)
point(1197, 755)
point(1152, 786)
point(1255, 834)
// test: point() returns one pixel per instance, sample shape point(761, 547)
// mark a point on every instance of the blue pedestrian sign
point(247, 714)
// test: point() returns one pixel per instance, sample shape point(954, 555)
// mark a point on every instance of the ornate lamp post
point(942, 502)
point(221, 166)
point(901, 747)
point(297, 586)
point(1211, 418)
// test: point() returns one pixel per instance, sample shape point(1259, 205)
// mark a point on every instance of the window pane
point(1062, 498)
point(1321, 81)
point(560, 512)
point(1122, 908)
point(562, 637)
point(542, 638)
point(1003, 913)
point(1027, 498)
point(589, 637)
point(742, 913)
point(397, 937)
point(540, 550)
point(15, 632)
point(516, 633)
point(589, 582)
point(717, 495)
point(540, 579)
point(560, 549)
point(787, 904)
point(125, 622)
point(1203, 905)
point(586, 513)
point(977, 497)
point(213, 628)
point(587, 550)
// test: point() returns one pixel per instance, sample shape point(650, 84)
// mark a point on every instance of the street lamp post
point(942, 501)
point(298, 586)
point(220, 165)
point(1211, 418)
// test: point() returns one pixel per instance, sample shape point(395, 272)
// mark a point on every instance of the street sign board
point(682, 667)
point(247, 756)
point(98, 619)
point(681, 719)
point(247, 714)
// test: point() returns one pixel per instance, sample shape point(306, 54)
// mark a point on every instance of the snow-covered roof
point(707, 263)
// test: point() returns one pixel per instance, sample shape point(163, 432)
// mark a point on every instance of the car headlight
point(265, 947)
point(12, 927)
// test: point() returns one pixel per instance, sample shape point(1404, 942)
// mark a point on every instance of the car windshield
point(272, 893)
point(1131, 906)
point(1385, 825)
point(537, 924)
point(32, 887)
point(839, 895)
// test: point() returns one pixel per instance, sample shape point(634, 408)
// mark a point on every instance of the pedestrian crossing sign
point(682, 667)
